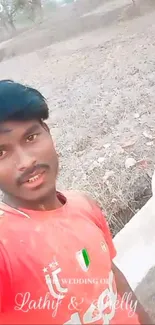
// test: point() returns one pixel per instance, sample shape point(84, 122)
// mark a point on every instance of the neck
point(51, 202)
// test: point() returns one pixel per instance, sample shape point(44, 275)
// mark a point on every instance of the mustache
point(30, 171)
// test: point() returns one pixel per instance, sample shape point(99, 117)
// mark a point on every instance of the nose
point(24, 160)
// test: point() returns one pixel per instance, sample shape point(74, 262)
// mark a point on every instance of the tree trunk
point(36, 9)
point(7, 19)
point(4, 24)
point(11, 23)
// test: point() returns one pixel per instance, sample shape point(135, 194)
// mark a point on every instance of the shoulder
point(84, 202)
point(4, 224)
point(78, 198)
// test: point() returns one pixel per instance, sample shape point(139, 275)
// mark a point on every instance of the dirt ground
point(94, 61)
point(96, 66)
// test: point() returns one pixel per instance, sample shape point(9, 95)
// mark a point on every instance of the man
point(56, 249)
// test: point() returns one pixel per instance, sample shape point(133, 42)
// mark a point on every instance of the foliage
point(12, 7)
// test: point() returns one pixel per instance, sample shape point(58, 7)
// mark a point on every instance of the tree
point(35, 8)
point(12, 7)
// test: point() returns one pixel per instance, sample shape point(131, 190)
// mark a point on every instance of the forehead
point(9, 127)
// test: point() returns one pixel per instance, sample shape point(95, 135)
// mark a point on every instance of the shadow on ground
point(146, 293)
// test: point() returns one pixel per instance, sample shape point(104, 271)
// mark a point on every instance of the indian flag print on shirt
point(83, 259)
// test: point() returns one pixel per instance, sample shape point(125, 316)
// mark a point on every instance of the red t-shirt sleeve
point(5, 282)
point(1, 282)
point(100, 220)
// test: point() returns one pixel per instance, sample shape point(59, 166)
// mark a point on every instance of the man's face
point(28, 160)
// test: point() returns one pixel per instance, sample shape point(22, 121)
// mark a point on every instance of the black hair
point(19, 102)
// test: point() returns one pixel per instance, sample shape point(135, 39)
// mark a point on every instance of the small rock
point(149, 173)
point(114, 200)
point(147, 135)
point(92, 166)
point(130, 162)
point(150, 144)
point(95, 164)
point(128, 144)
point(136, 115)
point(119, 150)
point(101, 160)
point(134, 71)
point(107, 145)
point(108, 174)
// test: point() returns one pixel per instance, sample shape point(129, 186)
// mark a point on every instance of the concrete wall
point(135, 244)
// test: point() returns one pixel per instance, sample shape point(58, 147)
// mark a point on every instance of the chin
point(40, 194)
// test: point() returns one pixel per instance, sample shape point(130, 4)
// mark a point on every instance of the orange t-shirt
point(55, 266)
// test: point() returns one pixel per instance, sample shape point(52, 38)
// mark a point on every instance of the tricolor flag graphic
point(83, 259)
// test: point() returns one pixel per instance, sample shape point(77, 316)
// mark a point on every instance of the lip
point(35, 173)
point(36, 183)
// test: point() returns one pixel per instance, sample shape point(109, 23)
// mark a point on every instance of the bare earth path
point(100, 87)
point(100, 84)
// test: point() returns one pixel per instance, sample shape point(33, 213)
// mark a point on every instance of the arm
point(124, 289)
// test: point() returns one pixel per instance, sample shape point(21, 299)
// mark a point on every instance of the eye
point(2, 153)
point(31, 137)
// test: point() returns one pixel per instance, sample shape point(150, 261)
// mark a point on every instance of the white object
point(130, 162)
point(153, 184)
point(137, 115)
point(1, 8)
point(107, 145)
point(150, 144)
point(135, 245)
point(108, 174)
point(147, 135)
point(101, 160)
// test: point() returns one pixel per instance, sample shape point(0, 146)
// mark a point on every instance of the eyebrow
point(31, 129)
point(4, 130)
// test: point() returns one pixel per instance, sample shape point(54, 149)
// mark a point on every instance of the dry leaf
point(128, 144)
point(142, 163)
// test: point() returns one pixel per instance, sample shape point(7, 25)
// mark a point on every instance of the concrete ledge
point(135, 245)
